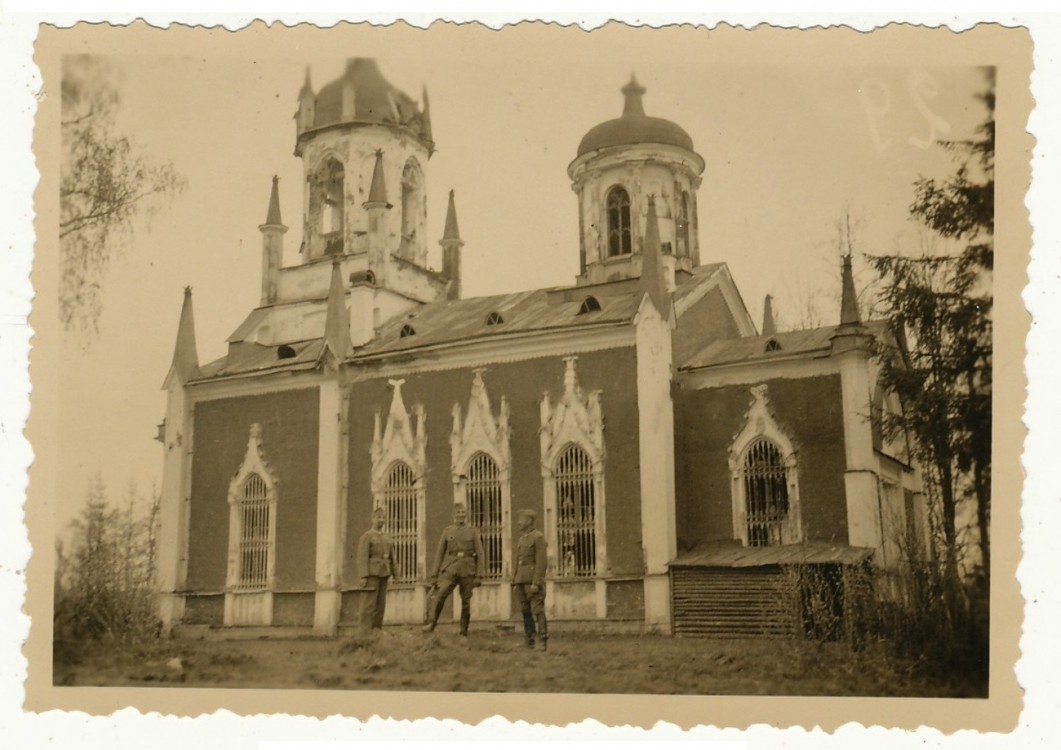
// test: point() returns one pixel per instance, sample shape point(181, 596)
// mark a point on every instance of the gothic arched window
point(484, 509)
point(617, 205)
point(763, 466)
point(576, 513)
point(765, 478)
point(255, 522)
point(400, 502)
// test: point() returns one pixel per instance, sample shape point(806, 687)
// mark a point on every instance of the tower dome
point(362, 96)
point(634, 127)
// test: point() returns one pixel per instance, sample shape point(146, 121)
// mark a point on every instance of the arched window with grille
point(765, 493)
point(762, 461)
point(620, 239)
point(252, 503)
point(484, 503)
point(255, 524)
point(576, 513)
point(400, 502)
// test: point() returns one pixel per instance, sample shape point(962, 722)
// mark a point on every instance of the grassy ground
point(492, 660)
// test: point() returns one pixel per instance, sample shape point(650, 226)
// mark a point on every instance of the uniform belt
point(377, 557)
point(465, 554)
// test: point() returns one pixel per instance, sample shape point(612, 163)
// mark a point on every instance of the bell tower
point(365, 146)
point(621, 166)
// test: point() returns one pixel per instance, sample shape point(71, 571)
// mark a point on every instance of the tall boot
point(466, 616)
point(543, 632)
point(528, 628)
point(430, 626)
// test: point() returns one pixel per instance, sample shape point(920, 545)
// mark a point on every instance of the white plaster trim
point(759, 422)
point(576, 418)
point(743, 373)
point(254, 384)
point(402, 440)
point(252, 608)
point(481, 432)
point(536, 345)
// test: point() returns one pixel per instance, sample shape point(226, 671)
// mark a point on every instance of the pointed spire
point(307, 86)
point(337, 322)
point(769, 327)
point(185, 354)
point(452, 232)
point(848, 300)
point(272, 218)
point(377, 193)
point(652, 281)
point(633, 92)
point(426, 116)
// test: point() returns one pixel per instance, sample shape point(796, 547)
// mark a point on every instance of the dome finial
point(633, 92)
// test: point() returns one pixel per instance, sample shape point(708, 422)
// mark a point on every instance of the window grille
point(576, 523)
point(773, 346)
point(255, 522)
point(494, 319)
point(618, 208)
point(407, 330)
point(765, 479)
point(484, 509)
point(399, 503)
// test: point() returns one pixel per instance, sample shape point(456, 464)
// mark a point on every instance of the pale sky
point(789, 145)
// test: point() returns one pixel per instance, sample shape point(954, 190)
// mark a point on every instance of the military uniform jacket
point(460, 553)
point(375, 555)
point(530, 558)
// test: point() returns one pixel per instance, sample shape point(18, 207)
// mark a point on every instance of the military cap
point(527, 512)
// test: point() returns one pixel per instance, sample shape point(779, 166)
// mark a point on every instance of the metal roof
point(733, 555)
point(815, 341)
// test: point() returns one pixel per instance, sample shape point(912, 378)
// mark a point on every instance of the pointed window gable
point(572, 464)
point(481, 467)
point(399, 463)
point(763, 471)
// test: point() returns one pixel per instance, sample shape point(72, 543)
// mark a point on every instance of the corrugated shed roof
point(751, 348)
point(736, 556)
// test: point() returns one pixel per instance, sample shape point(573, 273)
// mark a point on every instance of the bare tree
point(105, 183)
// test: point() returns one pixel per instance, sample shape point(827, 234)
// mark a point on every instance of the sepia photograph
point(535, 361)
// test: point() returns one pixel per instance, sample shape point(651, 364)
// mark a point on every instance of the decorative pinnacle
point(273, 216)
point(848, 300)
point(452, 232)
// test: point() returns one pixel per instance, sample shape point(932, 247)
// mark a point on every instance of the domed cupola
point(361, 96)
point(621, 163)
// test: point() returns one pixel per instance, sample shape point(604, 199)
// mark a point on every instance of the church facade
point(681, 460)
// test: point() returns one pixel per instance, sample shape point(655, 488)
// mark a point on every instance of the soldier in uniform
point(529, 580)
point(459, 561)
point(377, 563)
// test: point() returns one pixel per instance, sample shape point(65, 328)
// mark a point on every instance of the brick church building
point(680, 459)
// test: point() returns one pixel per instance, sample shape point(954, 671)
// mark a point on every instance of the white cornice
point(479, 353)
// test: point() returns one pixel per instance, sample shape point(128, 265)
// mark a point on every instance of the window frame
point(625, 248)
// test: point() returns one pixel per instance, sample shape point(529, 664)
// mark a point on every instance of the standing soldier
point(529, 581)
point(377, 563)
point(460, 561)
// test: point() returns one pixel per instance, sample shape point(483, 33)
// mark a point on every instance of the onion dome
point(634, 127)
point(362, 96)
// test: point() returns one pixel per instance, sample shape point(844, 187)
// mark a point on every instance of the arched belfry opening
point(327, 199)
point(413, 206)
point(620, 238)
